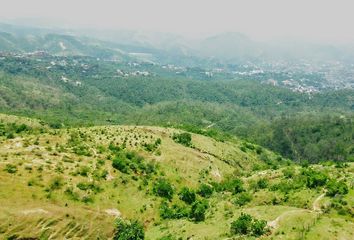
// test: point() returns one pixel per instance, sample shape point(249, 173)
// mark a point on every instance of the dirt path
point(275, 222)
point(316, 207)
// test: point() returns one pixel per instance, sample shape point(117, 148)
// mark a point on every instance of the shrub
point(10, 168)
point(288, 185)
point(234, 185)
point(183, 138)
point(187, 195)
point(243, 198)
point(99, 174)
point(205, 190)
point(87, 199)
point(174, 212)
point(89, 186)
point(84, 171)
point(126, 161)
point(71, 194)
point(315, 178)
point(259, 227)
point(249, 146)
point(247, 225)
point(56, 183)
point(242, 225)
point(262, 183)
point(198, 210)
point(22, 128)
point(163, 188)
point(126, 230)
point(150, 147)
point(259, 150)
point(10, 136)
point(158, 141)
point(336, 187)
point(289, 172)
point(113, 147)
point(82, 150)
point(121, 164)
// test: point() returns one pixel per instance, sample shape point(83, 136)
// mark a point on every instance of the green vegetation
point(243, 198)
point(315, 178)
point(297, 127)
point(198, 210)
point(335, 187)
point(231, 184)
point(129, 230)
point(163, 188)
point(311, 137)
point(187, 195)
point(216, 149)
point(183, 138)
point(205, 190)
point(10, 168)
point(180, 192)
point(245, 224)
point(127, 161)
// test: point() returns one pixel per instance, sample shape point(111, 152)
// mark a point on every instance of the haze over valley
point(175, 120)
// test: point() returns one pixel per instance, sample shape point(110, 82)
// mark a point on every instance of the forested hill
point(68, 91)
point(74, 81)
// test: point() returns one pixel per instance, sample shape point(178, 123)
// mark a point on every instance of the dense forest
point(67, 91)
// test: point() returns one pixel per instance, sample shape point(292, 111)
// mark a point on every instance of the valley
point(128, 135)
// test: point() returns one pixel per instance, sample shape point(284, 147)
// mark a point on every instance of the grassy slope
point(31, 211)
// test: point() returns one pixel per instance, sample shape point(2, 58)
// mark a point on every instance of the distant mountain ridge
point(163, 48)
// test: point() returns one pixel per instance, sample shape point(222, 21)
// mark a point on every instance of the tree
point(247, 225)
point(205, 190)
point(242, 225)
point(187, 195)
point(183, 138)
point(259, 227)
point(163, 188)
point(315, 178)
point(120, 164)
point(243, 198)
point(262, 183)
point(235, 185)
point(198, 210)
point(336, 187)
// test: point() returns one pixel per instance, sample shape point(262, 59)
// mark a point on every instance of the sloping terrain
point(74, 183)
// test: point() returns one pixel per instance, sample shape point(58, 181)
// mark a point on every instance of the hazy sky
point(326, 20)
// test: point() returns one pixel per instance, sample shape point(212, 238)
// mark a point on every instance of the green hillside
point(76, 183)
point(150, 138)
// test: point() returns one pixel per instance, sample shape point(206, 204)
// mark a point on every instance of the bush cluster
point(163, 188)
point(129, 230)
point(247, 225)
point(187, 195)
point(234, 185)
point(183, 138)
point(126, 161)
point(336, 187)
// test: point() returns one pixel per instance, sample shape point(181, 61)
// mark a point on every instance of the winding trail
point(275, 223)
point(316, 207)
